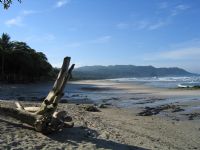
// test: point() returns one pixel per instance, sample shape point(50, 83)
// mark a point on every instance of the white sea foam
point(165, 82)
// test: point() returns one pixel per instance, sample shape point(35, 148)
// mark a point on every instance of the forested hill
point(21, 63)
point(123, 71)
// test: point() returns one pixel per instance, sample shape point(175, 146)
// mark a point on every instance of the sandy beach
point(115, 127)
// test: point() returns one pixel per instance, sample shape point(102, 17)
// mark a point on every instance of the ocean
point(163, 82)
point(82, 93)
point(39, 90)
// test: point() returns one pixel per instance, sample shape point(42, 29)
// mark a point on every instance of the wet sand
point(177, 104)
point(112, 127)
point(138, 88)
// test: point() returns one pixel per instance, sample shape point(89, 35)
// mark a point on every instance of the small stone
point(91, 108)
point(105, 135)
point(68, 118)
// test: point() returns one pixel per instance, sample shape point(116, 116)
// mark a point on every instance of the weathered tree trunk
point(45, 119)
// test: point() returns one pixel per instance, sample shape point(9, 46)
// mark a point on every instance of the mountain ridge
point(125, 71)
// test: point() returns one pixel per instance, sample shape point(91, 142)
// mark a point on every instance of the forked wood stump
point(45, 118)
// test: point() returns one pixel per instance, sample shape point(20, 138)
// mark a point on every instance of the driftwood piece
point(45, 119)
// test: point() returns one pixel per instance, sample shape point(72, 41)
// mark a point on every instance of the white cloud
point(18, 20)
point(184, 53)
point(173, 9)
point(14, 22)
point(28, 12)
point(179, 9)
point(147, 24)
point(143, 24)
point(61, 3)
point(168, 9)
point(122, 25)
point(103, 39)
point(182, 7)
point(157, 25)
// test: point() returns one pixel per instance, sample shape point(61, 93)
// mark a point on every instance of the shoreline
point(111, 128)
point(177, 104)
point(114, 127)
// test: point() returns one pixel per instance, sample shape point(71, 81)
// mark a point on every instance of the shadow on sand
point(17, 125)
point(77, 135)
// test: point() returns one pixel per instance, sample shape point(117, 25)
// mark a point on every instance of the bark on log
point(45, 119)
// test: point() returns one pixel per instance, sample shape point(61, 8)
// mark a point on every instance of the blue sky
point(108, 32)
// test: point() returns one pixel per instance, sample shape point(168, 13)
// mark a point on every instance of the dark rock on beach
point(91, 108)
point(193, 116)
point(149, 111)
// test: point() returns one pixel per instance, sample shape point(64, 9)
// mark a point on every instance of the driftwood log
point(45, 118)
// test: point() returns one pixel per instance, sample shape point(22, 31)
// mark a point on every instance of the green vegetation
point(6, 3)
point(125, 71)
point(20, 63)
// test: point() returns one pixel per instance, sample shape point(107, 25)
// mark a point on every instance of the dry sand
point(111, 128)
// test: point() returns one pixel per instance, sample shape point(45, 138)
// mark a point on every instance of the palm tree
point(5, 47)
point(6, 3)
point(19, 62)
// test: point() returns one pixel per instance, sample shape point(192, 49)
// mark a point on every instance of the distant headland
point(126, 71)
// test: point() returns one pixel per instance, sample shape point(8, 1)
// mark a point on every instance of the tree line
point(21, 63)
